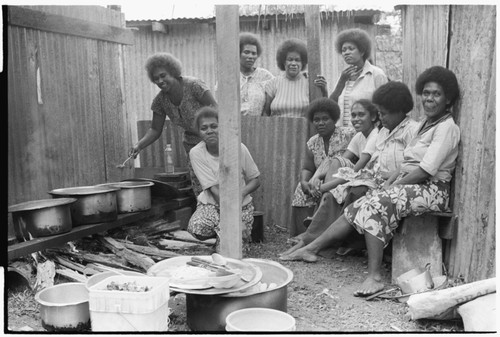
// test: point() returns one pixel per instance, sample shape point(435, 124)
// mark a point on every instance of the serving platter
point(168, 267)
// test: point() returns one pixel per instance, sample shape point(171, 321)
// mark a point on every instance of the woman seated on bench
point(204, 223)
point(422, 184)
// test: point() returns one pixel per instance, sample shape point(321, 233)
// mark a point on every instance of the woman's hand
point(134, 151)
point(314, 187)
point(347, 73)
point(306, 188)
point(321, 83)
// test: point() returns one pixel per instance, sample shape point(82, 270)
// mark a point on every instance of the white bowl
point(259, 319)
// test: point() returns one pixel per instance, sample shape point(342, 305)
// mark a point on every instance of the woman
point(288, 95)
point(179, 98)
point(252, 79)
point(360, 78)
point(204, 222)
point(422, 184)
point(366, 123)
point(329, 142)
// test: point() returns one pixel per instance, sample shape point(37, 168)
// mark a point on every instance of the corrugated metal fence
point(277, 146)
point(463, 39)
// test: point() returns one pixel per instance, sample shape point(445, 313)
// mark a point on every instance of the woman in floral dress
point(422, 184)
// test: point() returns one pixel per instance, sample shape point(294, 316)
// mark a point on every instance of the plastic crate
point(113, 310)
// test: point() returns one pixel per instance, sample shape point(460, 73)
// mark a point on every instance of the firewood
point(176, 245)
point(161, 226)
point(148, 250)
point(104, 268)
point(75, 266)
point(186, 236)
point(136, 259)
point(71, 274)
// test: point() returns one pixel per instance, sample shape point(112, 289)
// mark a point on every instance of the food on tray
point(127, 286)
point(190, 273)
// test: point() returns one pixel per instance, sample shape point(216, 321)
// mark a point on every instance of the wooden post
point(313, 31)
point(228, 79)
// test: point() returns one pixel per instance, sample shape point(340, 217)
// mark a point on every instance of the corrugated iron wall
point(194, 45)
point(469, 31)
point(277, 146)
point(68, 125)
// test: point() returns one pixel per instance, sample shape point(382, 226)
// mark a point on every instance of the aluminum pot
point(65, 307)
point(42, 217)
point(132, 196)
point(94, 204)
point(209, 312)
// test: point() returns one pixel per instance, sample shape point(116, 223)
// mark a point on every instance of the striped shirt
point(290, 98)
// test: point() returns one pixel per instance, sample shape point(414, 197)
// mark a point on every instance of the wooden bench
point(418, 241)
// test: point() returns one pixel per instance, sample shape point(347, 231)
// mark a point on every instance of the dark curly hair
point(165, 60)
point(357, 36)
point(442, 76)
point(393, 96)
point(204, 112)
point(368, 106)
point(291, 45)
point(323, 104)
point(252, 39)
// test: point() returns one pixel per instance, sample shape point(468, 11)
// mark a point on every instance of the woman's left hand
point(315, 188)
point(321, 83)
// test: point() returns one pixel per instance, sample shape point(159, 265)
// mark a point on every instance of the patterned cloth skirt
point(300, 199)
point(380, 211)
point(205, 221)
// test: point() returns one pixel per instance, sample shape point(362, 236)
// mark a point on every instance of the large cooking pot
point(132, 196)
point(209, 312)
point(42, 217)
point(65, 307)
point(94, 204)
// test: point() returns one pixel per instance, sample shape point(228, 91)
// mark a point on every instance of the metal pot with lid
point(42, 217)
point(94, 204)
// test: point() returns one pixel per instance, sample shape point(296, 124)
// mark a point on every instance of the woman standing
point(360, 78)
point(421, 185)
point(288, 95)
point(204, 223)
point(252, 79)
point(179, 98)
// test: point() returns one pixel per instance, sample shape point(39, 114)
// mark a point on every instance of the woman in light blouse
point(422, 184)
point(360, 78)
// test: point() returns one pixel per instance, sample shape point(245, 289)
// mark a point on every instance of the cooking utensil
point(245, 277)
point(160, 188)
point(126, 160)
point(94, 204)
point(42, 217)
point(218, 271)
point(382, 292)
point(132, 196)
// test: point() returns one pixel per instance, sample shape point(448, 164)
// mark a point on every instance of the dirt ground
point(319, 297)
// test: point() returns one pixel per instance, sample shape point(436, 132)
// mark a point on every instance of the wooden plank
point(37, 244)
point(313, 31)
point(19, 16)
point(415, 244)
point(227, 21)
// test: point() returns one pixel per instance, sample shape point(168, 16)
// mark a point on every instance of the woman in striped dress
point(288, 95)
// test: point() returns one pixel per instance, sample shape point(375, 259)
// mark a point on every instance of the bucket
point(258, 227)
point(259, 319)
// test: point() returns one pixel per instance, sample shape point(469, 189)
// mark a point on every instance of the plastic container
point(169, 168)
point(96, 278)
point(113, 310)
point(259, 319)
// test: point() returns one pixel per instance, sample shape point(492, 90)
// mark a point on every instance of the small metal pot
point(132, 196)
point(65, 307)
point(42, 217)
point(209, 312)
point(94, 204)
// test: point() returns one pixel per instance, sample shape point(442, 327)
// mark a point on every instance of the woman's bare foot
point(301, 254)
point(369, 287)
point(298, 245)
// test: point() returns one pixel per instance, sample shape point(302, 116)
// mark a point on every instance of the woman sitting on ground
point(365, 121)
point(204, 223)
point(421, 185)
point(328, 143)
point(288, 95)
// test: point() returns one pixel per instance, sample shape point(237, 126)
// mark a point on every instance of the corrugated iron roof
point(201, 11)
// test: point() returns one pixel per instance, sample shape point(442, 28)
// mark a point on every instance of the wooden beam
point(29, 18)
point(227, 23)
point(313, 31)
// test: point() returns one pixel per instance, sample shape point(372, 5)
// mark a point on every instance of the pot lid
point(39, 204)
point(130, 184)
point(83, 190)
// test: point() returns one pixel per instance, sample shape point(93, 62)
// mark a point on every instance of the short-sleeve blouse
point(252, 91)
point(183, 115)
point(339, 142)
point(290, 97)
